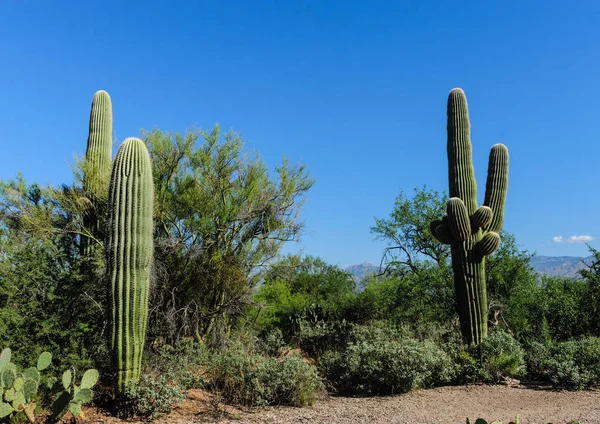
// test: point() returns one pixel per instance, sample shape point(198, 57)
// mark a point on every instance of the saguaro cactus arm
point(497, 185)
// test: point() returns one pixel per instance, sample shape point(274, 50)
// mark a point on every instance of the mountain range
point(555, 266)
point(560, 266)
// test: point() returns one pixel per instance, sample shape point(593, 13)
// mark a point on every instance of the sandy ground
point(446, 405)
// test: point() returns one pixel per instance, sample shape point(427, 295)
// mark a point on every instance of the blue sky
point(356, 90)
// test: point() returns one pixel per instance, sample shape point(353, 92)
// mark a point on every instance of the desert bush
point(499, 356)
point(379, 361)
point(502, 356)
point(247, 378)
point(302, 288)
point(314, 338)
point(271, 341)
point(573, 364)
point(153, 396)
point(183, 363)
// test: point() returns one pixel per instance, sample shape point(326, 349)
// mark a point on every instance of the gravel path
point(446, 405)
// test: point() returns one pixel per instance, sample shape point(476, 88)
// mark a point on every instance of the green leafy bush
point(272, 341)
point(573, 364)
point(380, 362)
point(498, 357)
point(250, 379)
point(502, 356)
point(168, 373)
point(182, 364)
point(316, 337)
point(152, 396)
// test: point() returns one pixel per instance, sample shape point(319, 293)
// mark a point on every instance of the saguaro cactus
point(129, 254)
point(472, 232)
point(98, 162)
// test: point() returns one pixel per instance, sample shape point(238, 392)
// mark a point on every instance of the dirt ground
point(446, 405)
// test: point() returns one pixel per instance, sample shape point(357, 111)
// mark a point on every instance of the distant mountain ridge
point(554, 266)
point(362, 270)
point(560, 266)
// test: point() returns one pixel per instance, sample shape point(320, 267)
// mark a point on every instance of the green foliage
point(514, 291)
point(181, 364)
point(219, 216)
point(153, 397)
point(573, 364)
point(316, 337)
point(380, 361)
point(407, 232)
point(129, 257)
point(42, 292)
point(502, 356)
point(472, 232)
point(168, 373)
point(416, 299)
point(498, 357)
point(248, 378)
point(302, 288)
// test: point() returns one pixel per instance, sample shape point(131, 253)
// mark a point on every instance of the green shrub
point(502, 356)
point(314, 338)
point(182, 364)
point(573, 364)
point(152, 396)
point(272, 341)
point(250, 379)
point(380, 362)
point(497, 357)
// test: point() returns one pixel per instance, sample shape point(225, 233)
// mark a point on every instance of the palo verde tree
point(416, 273)
point(220, 217)
point(471, 232)
point(407, 234)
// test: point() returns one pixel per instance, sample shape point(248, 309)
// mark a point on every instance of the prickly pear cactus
point(97, 167)
point(73, 396)
point(18, 390)
point(471, 231)
point(129, 255)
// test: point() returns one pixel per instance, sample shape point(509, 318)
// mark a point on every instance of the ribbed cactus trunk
point(472, 232)
point(98, 163)
point(129, 255)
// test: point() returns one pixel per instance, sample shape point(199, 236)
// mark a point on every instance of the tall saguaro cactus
point(98, 163)
point(471, 232)
point(129, 255)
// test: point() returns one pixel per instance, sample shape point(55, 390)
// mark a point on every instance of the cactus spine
point(98, 162)
point(129, 254)
point(472, 232)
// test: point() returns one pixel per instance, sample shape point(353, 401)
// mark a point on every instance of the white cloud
point(580, 239)
point(557, 239)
